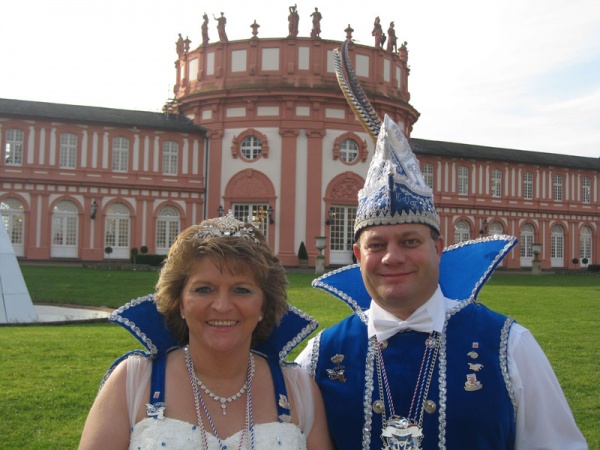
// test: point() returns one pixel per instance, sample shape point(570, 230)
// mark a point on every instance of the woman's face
point(221, 309)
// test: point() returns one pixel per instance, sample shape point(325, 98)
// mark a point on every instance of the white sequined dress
point(169, 433)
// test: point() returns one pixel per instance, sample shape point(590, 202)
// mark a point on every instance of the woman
point(221, 292)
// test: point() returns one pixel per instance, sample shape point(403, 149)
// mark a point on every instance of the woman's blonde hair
point(232, 246)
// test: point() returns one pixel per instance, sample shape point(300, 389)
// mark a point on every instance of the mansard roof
point(468, 151)
point(24, 109)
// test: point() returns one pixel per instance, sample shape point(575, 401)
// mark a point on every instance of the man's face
point(399, 265)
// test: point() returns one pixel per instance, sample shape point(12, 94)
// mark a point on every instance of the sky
point(519, 74)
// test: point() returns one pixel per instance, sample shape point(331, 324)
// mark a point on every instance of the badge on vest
point(472, 384)
point(338, 371)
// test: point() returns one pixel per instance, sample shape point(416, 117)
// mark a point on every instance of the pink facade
point(53, 171)
point(275, 141)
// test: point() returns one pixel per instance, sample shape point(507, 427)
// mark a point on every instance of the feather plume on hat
point(394, 191)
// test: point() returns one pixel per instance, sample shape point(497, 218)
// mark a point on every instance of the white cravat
point(385, 329)
point(427, 318)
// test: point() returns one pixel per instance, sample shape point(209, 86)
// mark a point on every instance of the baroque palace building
point(261, 127)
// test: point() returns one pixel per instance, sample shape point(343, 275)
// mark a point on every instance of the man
point(418, 370)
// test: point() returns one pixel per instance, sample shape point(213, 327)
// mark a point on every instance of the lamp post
point(320, 265)
point(484, 228)
point(536, 265)
point(94, 209)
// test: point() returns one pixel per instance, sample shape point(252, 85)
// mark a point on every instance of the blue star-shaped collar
point(464, 269)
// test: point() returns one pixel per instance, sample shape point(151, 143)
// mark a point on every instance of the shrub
point(594, 268)
point(108, 250)
point(144, 249)
point(133, 252)
point(575, 260)
point(584, 261)
point(151, 260)
point(302, 253)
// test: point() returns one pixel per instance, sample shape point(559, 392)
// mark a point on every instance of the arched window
point(462, 232)
point(167, 228)
point(495, 229)
point(11, 211)
point(557, 246)
point(116, 234)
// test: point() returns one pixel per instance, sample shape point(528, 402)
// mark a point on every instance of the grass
point(51, 373)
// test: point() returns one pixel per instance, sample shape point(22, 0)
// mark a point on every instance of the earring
point(260, 318)
point(183, 317)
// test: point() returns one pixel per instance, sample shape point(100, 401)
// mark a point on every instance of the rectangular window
point(528, 186)
point(111, 232)
point(586, 185)
point(68, 151)
point(463, 181)
point(71, 231)
point(428, 174)
point(170, 151)
point(256, 214)
point(14, 147)
point(120, 162)
point(496, 183)
point(585, 247)
point(161, 234)
point(341, 221)
point(557, 188)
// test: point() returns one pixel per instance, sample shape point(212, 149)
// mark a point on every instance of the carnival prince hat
point(394, 191)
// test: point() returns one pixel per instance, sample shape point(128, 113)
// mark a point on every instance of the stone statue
point(392, 45)
point(221, 21)
point(378, 33)
point(316, 21)
point(205, 30)
point(293, 20)
point(179, 45)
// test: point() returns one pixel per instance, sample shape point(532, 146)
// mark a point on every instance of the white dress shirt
point(544, 418)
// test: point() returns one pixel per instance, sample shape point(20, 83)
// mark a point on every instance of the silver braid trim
point(314, 354)
point(368, 394)
point(443, 367)
point(504, 363)
point(309, 328)
point(116, 316)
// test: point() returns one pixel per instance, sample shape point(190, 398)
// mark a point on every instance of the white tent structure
point(15, 302)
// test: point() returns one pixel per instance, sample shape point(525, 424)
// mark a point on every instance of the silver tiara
point(226, 226)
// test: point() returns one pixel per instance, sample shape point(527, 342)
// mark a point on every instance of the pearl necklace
point(249, 421)
point(211, 394)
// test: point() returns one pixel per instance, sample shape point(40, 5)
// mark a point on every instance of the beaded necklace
point(198, 400)
point(406, 431)
point(225, 400)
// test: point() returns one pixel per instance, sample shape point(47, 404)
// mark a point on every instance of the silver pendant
point(399, 433)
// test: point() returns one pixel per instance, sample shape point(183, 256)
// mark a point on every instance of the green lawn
point(50, 373)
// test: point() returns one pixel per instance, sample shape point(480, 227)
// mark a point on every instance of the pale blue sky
point(521, 74)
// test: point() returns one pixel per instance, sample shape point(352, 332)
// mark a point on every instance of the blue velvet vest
point(470, 388)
